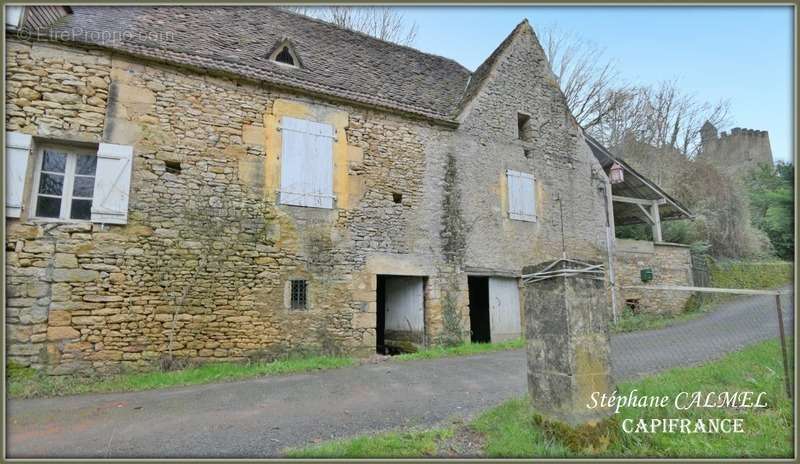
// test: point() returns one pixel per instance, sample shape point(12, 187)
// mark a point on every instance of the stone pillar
point(566, 329)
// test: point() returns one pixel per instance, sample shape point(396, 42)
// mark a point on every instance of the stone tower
point(736, 153)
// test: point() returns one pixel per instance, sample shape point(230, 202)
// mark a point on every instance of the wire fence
point(753, 316)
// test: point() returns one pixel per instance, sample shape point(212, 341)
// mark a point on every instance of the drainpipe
point(610, 250)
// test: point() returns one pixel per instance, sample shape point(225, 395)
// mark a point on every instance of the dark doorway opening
point(380, 329)
point(479, 309)
point(400, 318)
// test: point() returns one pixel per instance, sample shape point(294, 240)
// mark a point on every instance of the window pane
point(84, 187)
point(48, 207)
point(86, 165)
point(53, 161)
point(51, 184)
point(81, 209)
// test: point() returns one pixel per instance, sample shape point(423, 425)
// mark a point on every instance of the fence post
point(783, 346)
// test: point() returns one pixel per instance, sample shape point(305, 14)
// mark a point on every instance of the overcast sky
point(743, 54)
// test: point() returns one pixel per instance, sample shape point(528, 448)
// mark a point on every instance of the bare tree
point(589, 80)
point(385, 23)
point(661, 116)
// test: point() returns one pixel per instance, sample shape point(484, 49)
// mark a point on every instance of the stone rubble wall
point(201, 270)
point(204, 259)
point(671, 264)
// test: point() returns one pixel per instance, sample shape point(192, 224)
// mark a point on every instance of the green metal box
point(646, 274)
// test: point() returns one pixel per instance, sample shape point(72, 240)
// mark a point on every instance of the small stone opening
point(528, 153)
point(633, 305)
point(524, 131)
point(397, 197)
point(173, 167)
point(285, 57)
point(299, 295)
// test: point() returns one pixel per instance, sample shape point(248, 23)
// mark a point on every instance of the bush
point(771, 191)
point(757, 275)
point(748, 274)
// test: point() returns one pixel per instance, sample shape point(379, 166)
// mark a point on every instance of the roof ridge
point(371, 70)
point(365, 35)
point(481, 73)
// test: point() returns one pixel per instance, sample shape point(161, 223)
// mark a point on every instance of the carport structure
point(636, 200)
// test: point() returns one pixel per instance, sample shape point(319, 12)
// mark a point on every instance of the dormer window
point(284, 54)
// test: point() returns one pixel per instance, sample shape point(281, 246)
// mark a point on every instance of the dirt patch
point(375, 359)
point(464, 443)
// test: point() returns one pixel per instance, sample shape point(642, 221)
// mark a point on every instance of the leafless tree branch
point(385, 23)
point(590, 82)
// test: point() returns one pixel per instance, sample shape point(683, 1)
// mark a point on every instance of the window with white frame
point(521, 196)
point(64, 183)
point(68, 182)
point(306, 163)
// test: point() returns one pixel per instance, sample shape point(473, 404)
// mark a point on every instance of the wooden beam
point(646, 214)
point(656, 217)
point(638, 201)
point(681, 288)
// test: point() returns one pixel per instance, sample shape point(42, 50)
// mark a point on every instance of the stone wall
point(568, 177)
point(56, 92)
point(671, 264)
point(201, 269)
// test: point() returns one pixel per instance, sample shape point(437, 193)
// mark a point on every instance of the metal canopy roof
point(635, 185)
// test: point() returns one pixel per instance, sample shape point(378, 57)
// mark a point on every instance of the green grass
point(27, 383)
point(750, 274)
point(464, 349)
point(509, 430)
point(406, 444)
point(629, 321)
point(768, 432)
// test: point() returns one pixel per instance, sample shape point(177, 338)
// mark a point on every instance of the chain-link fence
point(742, 319)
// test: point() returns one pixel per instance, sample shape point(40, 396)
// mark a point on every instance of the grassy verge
point(28, 383)
point(464, 349)
point(406, 444)
point(630, 322)
point(509, 431)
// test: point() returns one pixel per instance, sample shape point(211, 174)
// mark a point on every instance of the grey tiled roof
point(336, 62)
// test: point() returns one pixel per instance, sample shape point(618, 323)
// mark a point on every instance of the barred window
point(299, 296)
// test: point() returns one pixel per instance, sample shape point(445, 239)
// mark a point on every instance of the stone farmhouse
point(223, 183)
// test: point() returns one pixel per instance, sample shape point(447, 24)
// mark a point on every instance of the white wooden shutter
point(306, 163)
point(112, 183)
point(18, 149)
point(521, 196)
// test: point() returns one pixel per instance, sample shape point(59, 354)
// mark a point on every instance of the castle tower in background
point(736, 153)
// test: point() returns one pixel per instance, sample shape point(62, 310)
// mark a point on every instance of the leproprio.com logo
point(82, 35)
